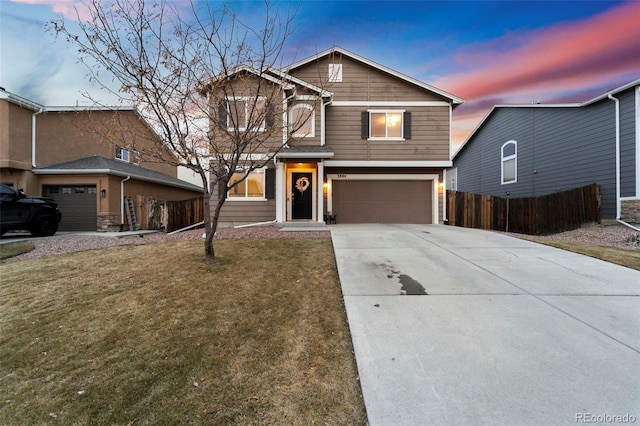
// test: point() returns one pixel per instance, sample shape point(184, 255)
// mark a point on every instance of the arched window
point(302, 121)
point(509, 169)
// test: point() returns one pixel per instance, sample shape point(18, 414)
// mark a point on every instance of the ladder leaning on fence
point(134, 225)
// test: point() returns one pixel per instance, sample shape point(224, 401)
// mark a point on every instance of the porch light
point(103, 193)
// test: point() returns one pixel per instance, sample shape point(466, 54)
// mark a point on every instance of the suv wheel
point(44, 226)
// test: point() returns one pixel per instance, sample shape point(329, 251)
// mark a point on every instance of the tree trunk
point(209, 229)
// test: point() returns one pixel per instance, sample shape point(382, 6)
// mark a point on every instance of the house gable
point(365, 80)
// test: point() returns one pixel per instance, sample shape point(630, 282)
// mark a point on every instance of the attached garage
point(383, 201)
point(77, 203)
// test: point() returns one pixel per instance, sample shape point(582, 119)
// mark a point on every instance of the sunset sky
point(486, 52)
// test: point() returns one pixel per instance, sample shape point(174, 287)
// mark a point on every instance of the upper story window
point(246, 113)
point(302, 121)
point(386, 125)
point(509, 161)
point(122, 153)
point(251, 188)
point(335, 73)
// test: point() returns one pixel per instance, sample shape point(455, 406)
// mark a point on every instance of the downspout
point(33, 136)
point(122, 201)
point(255, 224)
point(618, 202)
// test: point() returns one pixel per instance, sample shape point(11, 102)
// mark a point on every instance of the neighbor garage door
point(77, 205)
point(382, 201)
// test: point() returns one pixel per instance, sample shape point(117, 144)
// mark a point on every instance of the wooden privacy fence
point(170, 215)
point(547, 214)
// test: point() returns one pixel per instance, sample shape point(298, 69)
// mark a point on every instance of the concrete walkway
point(509, 332)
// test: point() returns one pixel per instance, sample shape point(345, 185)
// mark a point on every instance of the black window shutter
point(222, 115)
point(269, 119)
point(364, 133)
point(407, 125)
point(270, 184)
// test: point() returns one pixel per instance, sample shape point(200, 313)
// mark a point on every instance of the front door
point(302, 196)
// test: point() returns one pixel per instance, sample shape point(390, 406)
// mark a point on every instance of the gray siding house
point(533, 150)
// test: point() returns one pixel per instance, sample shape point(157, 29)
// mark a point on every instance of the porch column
point(320, 203)
point(280, 192)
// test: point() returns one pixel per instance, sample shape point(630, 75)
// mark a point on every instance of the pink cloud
point(70, 9)
point(567, 56)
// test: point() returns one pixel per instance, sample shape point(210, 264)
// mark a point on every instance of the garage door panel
point(77, 205)
point(380, 201)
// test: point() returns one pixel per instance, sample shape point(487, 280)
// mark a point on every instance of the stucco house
point(373, 147)
point(537, 149)
point(68, 154)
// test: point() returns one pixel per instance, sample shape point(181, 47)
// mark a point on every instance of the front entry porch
point(299, 191)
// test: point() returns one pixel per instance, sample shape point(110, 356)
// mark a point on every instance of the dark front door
point(302, 197)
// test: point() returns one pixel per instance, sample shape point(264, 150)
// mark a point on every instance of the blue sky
point(487, 52)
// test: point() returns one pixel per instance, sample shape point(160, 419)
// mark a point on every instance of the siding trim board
point(389, 104)
point(383, 163)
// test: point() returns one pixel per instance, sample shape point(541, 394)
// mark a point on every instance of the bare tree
point(209, 84)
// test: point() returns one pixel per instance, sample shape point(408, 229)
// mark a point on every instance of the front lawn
point(150, 335)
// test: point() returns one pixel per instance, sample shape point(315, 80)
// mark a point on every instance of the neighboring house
point(372, 149)
point(66, 153)
point(533, 150)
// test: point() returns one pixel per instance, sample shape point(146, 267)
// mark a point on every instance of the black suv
point(38, 215)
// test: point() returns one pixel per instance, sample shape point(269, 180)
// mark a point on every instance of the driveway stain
point(409, 286)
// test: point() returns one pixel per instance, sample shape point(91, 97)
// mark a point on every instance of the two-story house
point(69, 154)
point(372, 148)
point(537, 149)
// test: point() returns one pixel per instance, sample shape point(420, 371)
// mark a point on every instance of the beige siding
point(15, 136)
point(238, 212)
point(69, 135)
point(429, 140)
point(361, 82)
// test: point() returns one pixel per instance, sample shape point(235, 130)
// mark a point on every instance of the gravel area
point(69, 243)
point(607, 235)
point(619, 236)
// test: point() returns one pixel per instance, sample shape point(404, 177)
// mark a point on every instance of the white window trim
point(503, 159)
point(124, 154)
point(264, 183)
point(387, 111)
point(311, 134)
point(249, 100)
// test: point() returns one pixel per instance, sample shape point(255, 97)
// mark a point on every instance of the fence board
point(547, 214)
point(172, 215)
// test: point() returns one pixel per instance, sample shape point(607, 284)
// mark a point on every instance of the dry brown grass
point(14, 249)
point(150, 335)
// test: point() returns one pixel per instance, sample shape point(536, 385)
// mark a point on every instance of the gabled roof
point(566, 105)
point(454, 99)
point(277, 77)
point(97, 164)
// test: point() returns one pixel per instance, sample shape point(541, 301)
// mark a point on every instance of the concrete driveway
point(509, 332)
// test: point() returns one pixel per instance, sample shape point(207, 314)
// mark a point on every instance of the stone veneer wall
point(109, 223)
point(630, 211)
